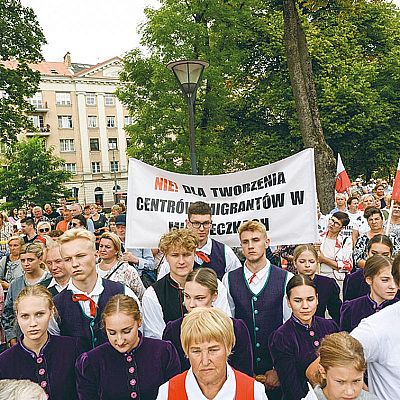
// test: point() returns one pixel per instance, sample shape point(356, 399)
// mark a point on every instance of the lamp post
point(188, 74)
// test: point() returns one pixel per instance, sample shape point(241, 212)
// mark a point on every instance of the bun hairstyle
point(38, 291)
point(301, 248)
point(340, 350)
point(121, 303)
point(36, 249)
point(206, 277)
point(380, 239)
point(375, 264)
point(299, 280)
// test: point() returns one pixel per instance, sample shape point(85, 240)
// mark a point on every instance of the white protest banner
point(281, 195)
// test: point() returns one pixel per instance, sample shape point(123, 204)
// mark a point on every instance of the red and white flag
point(342, 179)
point(396, 185)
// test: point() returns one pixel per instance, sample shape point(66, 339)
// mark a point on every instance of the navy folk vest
point(262, 312)
point(170, 297)
point(74, 322)
point(217, 259)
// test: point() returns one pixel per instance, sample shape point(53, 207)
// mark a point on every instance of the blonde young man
point(256, 293)
point(81, 303)
point(209, 253)
point(163, 301)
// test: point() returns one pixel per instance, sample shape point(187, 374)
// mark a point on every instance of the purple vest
point(262, 312)
point(74, 322)
point(354, 285)
point(53, 369)
point(105, 374)
point(328, 297)
point(353, 311)
point(241, 357)
point(217, 259)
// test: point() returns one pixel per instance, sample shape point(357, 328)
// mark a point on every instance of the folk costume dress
point(106, 374)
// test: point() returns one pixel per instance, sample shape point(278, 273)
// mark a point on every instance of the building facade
point(78, 113)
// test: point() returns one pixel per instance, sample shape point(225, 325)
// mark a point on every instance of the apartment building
point(76, 110)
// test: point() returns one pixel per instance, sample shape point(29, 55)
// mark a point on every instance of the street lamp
point(188, 73)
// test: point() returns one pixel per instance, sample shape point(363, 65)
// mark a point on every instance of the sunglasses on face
point(44, 230)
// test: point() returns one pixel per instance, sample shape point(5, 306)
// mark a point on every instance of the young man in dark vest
point(257, 296)
point(81, 303)
point(163, 301)
point(209, 253)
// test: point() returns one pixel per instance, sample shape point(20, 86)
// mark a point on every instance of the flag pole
point(389, 218)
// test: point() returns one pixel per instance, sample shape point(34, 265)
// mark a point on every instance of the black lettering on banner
point(231, 227)
point(276, 178)
point(139, 203)
point(178, 225)
point(297, 197)
point(196, 191)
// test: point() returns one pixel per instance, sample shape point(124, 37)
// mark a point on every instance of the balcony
point(41, 131)
point(40, 106)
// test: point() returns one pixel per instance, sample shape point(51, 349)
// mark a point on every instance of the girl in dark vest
point(293, 345)
point(38, 356)
point(305, 259)
point(354, 284)
point(128, 366)
point(378, 275)
point(201, 290)
point(208, 337)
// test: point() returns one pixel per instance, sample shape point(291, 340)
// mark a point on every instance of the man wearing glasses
point(335, 250)
point(210, 253)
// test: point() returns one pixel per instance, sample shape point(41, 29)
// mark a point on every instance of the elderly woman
point(208, 338)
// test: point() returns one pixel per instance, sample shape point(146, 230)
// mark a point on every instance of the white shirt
point(379, 335)
point(227, 392)
point(231, 261)
point(153, 318)
point(257, 285)
point(94, 295)
point(58, 287)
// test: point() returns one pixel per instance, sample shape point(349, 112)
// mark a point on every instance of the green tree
point(246, 111)
point(34, 175)
point(20, 44)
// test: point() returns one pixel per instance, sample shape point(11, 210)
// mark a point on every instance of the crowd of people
point(85, 317)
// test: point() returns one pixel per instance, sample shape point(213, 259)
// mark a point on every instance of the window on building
point(70, 167)
point(114, 166)
point(65, 121)
point(63, 98)
point(37, 100)
point(96, 168)
point(67, 145)
point(94, 144)
point(109, 99)
point(37, 121)
point(112, 143)
point(128, 120)
point(110, 120)
point(92, 121)
point(90, 99)
point(128, 141)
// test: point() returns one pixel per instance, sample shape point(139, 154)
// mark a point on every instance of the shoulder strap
point(244, 386)
point(176, 387)
point(116, 268)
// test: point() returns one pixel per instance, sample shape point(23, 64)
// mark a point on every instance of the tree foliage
point(20, 44)
point(34, 175)
point(245, 112)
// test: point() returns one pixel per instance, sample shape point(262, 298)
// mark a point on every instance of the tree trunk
point(302, 82)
